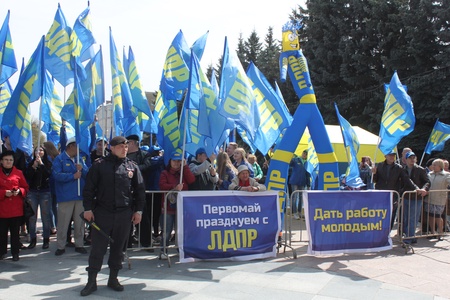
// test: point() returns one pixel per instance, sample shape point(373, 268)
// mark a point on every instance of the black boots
point(46, 243)
point(32, 244)
point(113, 282)
point(91, 285)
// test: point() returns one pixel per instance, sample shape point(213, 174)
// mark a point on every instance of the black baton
point(95, 226)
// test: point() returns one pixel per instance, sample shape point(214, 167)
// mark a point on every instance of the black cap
point(118, 140)
point(133, 137)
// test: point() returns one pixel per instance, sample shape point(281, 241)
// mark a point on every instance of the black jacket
point(419, 177)
point(392, 177)
point(39, 178)
point(114, 184)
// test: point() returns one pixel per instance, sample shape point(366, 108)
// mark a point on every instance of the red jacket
point(170, 179)
point(11, 207)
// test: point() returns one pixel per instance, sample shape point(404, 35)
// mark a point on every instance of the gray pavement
point(39, 274)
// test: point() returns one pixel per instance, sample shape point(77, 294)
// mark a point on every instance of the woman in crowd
point(243, 182)
point(240, 159)
point(436, 201)
point(38, 175)
point(13, 189)
point(365, 172)
point(170, 181)
point(225, 170)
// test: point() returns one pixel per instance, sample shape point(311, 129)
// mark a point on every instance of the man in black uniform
point(114, 196)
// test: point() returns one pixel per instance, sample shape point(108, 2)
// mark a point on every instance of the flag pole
point(184, 141)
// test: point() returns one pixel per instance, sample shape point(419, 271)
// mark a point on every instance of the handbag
point(28, 211)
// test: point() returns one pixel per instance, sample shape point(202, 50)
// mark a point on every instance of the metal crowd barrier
point(155, 241)
point(160, 247)
point(415, 222)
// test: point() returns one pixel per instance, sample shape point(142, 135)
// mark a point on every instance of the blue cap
point(145, 148)
point(154, 148)
point(200, 151)
point(175, 156)
point(409, 154)
point(101, 139)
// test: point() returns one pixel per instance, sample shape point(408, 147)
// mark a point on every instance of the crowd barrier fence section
point(418, 218)
point(159, 244)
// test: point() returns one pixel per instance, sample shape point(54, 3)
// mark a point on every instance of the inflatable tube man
point(293, 62)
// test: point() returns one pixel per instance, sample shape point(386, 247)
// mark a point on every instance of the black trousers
point(117, 225)
point(13, 226)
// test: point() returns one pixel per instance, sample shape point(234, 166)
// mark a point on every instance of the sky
point(148, 26)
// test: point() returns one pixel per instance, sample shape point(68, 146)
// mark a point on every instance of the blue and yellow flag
point(5, 95)
point(141, 107)
point(438, 137)
point(8, 64)
point(211, 124)
point(398, 118)
point(237, 100)
point(93, 86)
point(81, 38)
point(189, 115)
point(125, 117)
point(175, 75)
point(29, 89)
point(273, 111)
point(351, 144)
point(58, 51)
point(312, 164)
point(168, 136)
point(199, 46)
point(50, 110)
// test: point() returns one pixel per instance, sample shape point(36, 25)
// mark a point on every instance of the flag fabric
point(81, 38)
point(141, 107)
point(125, 117)
point(17, 118)
point(312, 164)
point(439, 135)
point(137, 92)
point(8, 64)
point(211, 124)
point(351, 144)
point(199, 46)
point(5, 95)
point(189, 117)
point(50, 110)
point(168, 135)
point(272, 109)
point(175, 75)
point(398, 118)
point(58, 51)
point(236, 94)
point(93, 86)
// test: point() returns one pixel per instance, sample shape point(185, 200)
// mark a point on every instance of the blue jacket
point(66, 187)
point(299, 174)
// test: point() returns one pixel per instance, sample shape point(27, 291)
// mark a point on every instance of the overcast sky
point(148, 26)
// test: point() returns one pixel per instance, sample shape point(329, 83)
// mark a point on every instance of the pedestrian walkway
point(39, 274)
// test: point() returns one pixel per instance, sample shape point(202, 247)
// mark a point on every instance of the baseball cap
point(118, 140)
point(70, 141)
point(409, 154)
point(101, 139)
point(133, 137)
point(175, 156)
point(200, 151)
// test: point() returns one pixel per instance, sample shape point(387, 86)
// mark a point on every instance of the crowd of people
point(113, 186)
